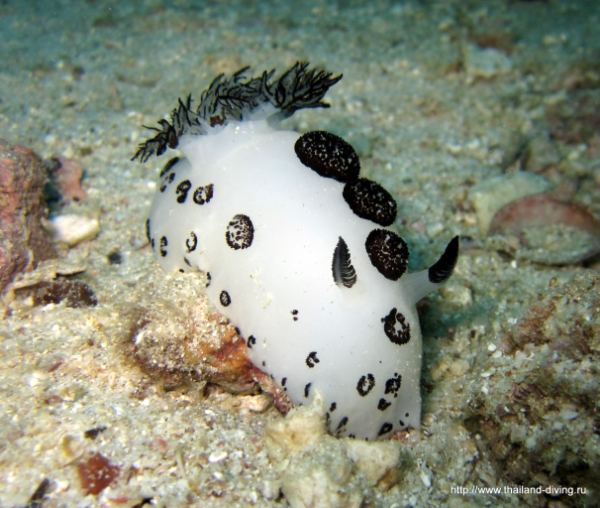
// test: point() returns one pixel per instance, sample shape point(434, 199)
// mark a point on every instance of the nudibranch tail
point(422, 283)
point(235, 99)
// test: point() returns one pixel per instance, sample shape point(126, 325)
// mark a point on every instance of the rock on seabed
point(23, 242)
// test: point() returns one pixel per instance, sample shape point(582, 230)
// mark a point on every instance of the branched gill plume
point(236, 97)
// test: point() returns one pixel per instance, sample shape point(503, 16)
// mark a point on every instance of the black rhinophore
point(341, 266)
point(371, 201)
point(442, 270)
point(328, 155)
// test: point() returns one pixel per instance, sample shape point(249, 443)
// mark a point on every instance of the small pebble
point(568, 414)
point(485, 63)
point(256, 403)
point(459, 368)
point(73, 229)
point(425, 478)
point(217, 456)
point(115, 258)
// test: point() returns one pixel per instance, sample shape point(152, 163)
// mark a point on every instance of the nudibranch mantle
point(299, 250)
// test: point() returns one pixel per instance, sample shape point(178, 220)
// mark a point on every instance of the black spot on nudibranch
point(396, 327)
point(224, 298)
point(168, 166)
point(383, 404)
point(387, 252)
point(341, 266)
point(441, 271)
point(385, 428)
point(365, 384)
point(240, 232)
point(163, 243)
point(182, 190)
point(333, 407)
point(203, 195)
point(295, 315)
point(329, 155)
point(283, 381)
point(166, 181)
point(342, 424)
point(191, 243)
point(307, 389)
point(371, 201)
point(311, 359)
point(148, 230)
point(251, 341)
point(392, 385)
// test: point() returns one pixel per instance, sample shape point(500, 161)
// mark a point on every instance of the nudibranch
point(299, 250)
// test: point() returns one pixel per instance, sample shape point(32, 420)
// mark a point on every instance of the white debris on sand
point(73, 229)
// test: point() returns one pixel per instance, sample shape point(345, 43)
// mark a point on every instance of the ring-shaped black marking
point(365, 385)
point(240, 232)
point(191, 242)
point(312, 359)
point(203, 194)
point(182, 191)
point(163, 243)
point(396, 327)
point(225, 299)
point(385, 428)
point(392, 385)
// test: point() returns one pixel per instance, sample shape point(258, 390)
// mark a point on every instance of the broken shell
point(550, 231)
point(491, 194)
point(73, 229)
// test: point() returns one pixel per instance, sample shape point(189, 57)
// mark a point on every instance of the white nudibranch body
point(300, 251)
